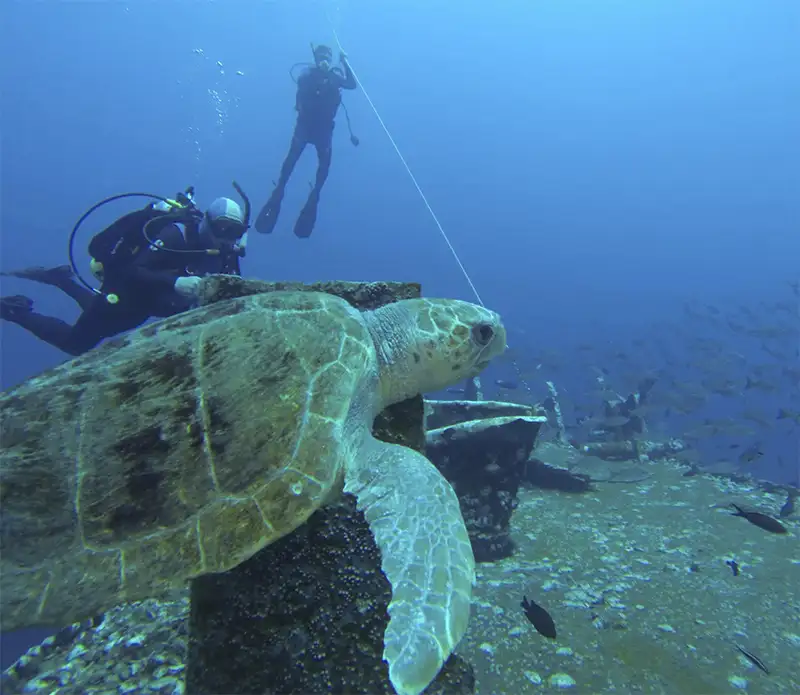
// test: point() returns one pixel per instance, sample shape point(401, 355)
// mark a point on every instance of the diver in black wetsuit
point(317, 101)
point(157, 280)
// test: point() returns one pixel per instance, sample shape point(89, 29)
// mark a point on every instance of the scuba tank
point(120, 242)
point(123, 239)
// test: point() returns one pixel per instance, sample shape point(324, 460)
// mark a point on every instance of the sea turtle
point(196, 441)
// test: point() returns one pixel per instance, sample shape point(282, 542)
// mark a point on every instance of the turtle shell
point(182, 449)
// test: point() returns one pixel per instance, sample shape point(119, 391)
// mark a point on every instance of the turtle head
point(425, 345)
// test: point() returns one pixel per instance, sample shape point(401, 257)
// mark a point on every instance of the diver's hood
point(225, 209)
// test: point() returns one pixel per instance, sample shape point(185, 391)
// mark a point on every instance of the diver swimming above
point(149, 263)
point(317, 101)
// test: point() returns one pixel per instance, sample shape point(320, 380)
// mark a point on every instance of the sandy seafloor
point(634, 575)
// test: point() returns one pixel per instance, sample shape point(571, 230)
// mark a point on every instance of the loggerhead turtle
point(194, 442)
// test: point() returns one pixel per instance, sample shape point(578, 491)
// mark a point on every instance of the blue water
point(595, 164)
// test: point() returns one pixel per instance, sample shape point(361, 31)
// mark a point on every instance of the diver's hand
point(342, 57)
point(240, 246)
point(188, 287)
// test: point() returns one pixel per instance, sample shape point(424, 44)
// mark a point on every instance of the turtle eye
point(482, 334)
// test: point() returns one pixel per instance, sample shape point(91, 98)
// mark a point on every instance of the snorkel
point(323, 56)
point(246, 207)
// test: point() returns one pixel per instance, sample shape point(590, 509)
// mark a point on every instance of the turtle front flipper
point(414, 515)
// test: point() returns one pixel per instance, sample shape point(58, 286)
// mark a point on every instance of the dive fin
point(268, 217)
point(308, 217)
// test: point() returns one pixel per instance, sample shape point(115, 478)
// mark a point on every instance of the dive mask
point(225, 228)
point(323, 57)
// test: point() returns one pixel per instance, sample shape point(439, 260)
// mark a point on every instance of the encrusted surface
point(484, 461)
point(362, 295)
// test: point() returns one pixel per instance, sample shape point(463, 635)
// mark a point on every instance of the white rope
point(410, 173)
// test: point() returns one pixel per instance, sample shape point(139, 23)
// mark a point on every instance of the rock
point(548, 467)
point(633, 449)
point(541, 475)
point(308, 613)
point(628, 410)
point(483, 459)
point(560, 467)
point(655, 450)
point(611, 451)
point(443, 413)
point(363, 295)
point(599, 470)
point(129, 649)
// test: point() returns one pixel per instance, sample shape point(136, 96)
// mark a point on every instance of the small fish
point(785, 414)
point(788, 506)
point(751, 453)
point(753, 659)
point(455, 389)
point(506, 384)
point(539, 618)
point(761, 520)
point(734, 567)
point(760, 385)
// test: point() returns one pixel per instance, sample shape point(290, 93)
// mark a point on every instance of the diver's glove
point(240, 247)
point(188, 287)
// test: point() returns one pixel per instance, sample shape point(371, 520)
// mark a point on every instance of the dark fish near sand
point(539, 618)
point(753, 659)
point(761, 520)
point(734, 567)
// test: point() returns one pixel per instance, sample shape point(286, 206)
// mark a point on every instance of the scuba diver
point(317, 101)
point(146, 264)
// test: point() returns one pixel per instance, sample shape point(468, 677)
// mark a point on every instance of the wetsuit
point(317, 101)
point(144, 285)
